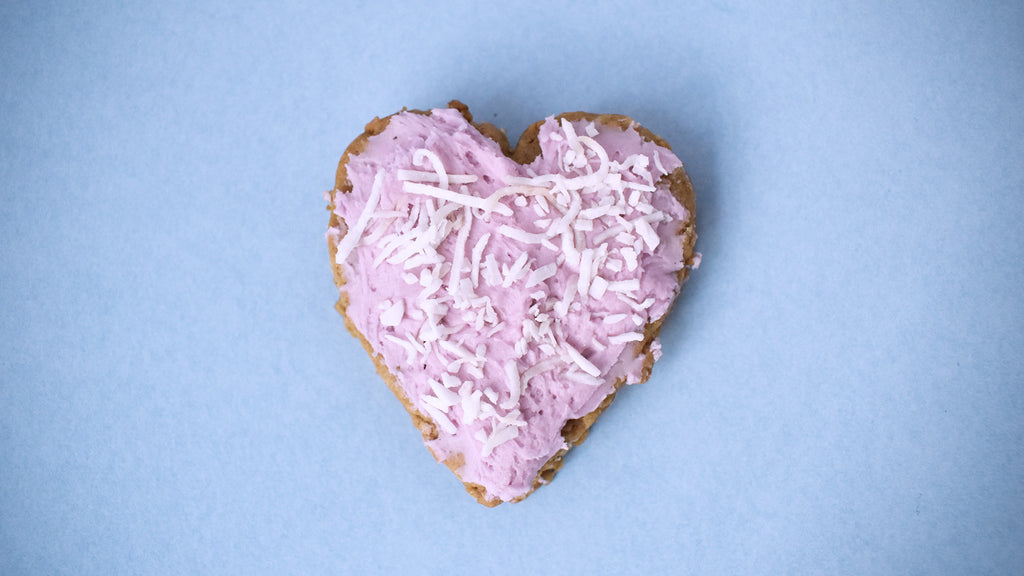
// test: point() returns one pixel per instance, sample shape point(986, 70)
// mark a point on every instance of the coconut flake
point(570, 135)
point(540, 368)
point(517, 271)
point(456, 350)
point(657, 162)
point(348, 243)
point(644, 229)
point(470, 406)
point(627, 337)
point(440, 418)
point(421, 155)
point(433, 177)
point(630, 257)
point(577, 358)
point(393, 315)
point(457, 197)
point(631, 285)
point(491, 395)
point(492, 275)
point(450, 381)
point(561, 308)
point(525, 237)
point(598, 286)
point(610, 232)
point(435, 402)
point(442, 393)
point(500, 435)
point(409, 348)
point(586, 272)
point(478, 251)
point(638, 187)
point(583, 378)
point(520, 347)
point(597, 177)
point(495, 329)
point(541, 274)
point(379, 231)
point(595, 212)
point(542, 203)
point(459, 257)
point(514, 385)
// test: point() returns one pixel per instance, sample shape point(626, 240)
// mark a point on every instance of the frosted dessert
point(506, 295)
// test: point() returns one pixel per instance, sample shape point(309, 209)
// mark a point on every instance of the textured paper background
point(843, 386)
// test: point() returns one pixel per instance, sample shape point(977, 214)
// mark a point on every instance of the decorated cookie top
point(508, 299)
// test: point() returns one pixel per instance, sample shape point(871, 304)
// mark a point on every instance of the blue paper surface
point(843, 383)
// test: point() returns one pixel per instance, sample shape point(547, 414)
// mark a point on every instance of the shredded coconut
point(348, 243)
point(432, 234)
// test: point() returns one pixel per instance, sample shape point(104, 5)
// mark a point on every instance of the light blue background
point(843, 386)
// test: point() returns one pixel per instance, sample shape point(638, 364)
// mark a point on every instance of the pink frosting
point(386, 300)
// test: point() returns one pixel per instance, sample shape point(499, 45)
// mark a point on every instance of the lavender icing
point(461, 348)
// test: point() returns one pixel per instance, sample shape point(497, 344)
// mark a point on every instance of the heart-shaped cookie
point(503, 295)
